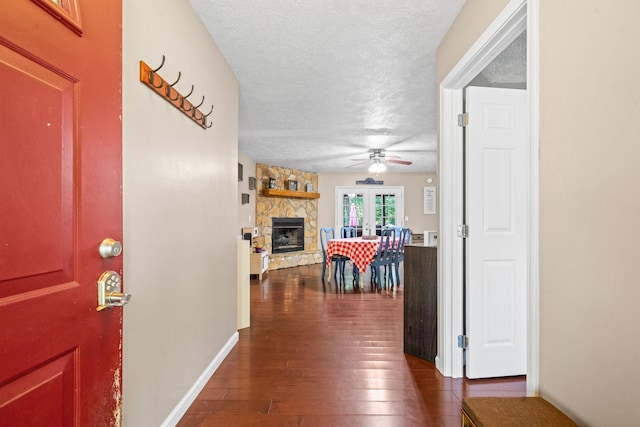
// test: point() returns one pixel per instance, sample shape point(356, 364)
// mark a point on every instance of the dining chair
point(403, 235)
point(327, 233)
point(383, 257)
point(348, 232)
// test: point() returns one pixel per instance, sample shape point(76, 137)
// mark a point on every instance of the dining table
point(360, 250)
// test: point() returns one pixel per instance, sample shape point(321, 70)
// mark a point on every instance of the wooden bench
point(512, 412)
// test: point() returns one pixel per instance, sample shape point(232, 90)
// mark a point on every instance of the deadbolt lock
point(110, 248)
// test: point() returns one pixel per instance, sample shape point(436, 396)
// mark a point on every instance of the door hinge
point(463, 119)
point(463, 231)
point(463, 341)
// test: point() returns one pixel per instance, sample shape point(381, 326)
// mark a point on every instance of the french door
point(369, 209)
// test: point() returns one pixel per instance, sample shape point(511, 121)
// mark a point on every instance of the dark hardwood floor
point(318, 355)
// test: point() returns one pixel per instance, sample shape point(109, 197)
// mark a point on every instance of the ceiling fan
point(378, 158)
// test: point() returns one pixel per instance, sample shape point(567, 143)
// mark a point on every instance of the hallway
point(318, 356)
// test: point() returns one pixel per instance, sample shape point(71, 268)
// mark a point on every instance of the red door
point(60, 196)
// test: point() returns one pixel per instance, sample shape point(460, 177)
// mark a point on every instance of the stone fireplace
point(291, 205)
point(287, 235)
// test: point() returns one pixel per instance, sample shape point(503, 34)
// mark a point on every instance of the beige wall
point(589, 209)
point(413, 184)
point(180, 211)
point(589, 203)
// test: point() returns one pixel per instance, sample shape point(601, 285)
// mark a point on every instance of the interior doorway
point(518, 16)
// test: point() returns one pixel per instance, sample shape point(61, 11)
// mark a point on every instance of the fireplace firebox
point(287, 235)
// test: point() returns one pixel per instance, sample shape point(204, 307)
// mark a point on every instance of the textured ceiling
point(509, 68)
point(324, 81)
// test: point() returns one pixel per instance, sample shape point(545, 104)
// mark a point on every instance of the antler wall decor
point(152, 79)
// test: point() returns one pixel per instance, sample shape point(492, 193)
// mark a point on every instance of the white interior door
point(497, 194)
point(369, 208)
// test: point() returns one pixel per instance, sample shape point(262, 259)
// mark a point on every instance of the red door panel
point(37, 226)
point(51, 385)
point(60, 196)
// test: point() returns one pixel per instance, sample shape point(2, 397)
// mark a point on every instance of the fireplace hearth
point(287, 235)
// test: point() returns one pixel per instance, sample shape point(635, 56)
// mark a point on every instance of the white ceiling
point(324, 81)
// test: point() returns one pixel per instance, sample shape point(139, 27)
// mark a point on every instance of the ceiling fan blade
point(360, 160)
point(399, 162)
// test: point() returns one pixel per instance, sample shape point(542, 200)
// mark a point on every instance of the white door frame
point(517, 16)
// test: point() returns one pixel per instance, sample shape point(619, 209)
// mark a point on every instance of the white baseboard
point(184, 404)
point(439, 364)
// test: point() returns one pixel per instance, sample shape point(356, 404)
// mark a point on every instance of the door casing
point(517, 16)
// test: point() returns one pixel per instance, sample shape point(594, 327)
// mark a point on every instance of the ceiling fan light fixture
point(377, 167)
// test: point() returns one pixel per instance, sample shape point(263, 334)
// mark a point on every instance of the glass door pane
point(385, 210)
point(352, 211)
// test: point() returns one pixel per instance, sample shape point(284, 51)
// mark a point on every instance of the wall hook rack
point(150, 77)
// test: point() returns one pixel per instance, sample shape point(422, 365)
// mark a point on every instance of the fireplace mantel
point(272, 192)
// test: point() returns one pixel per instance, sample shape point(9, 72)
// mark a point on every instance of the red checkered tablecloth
point(359, 250)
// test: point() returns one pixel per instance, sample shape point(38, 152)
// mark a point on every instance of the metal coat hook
point(204, 118)
point(195, 108)
point(201, 102)
point(169, 87)
point(155, 70)
point(202, 115)
point(184, 98)
point(152, 74)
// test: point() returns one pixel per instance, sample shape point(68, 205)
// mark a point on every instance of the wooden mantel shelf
point(271, 192)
